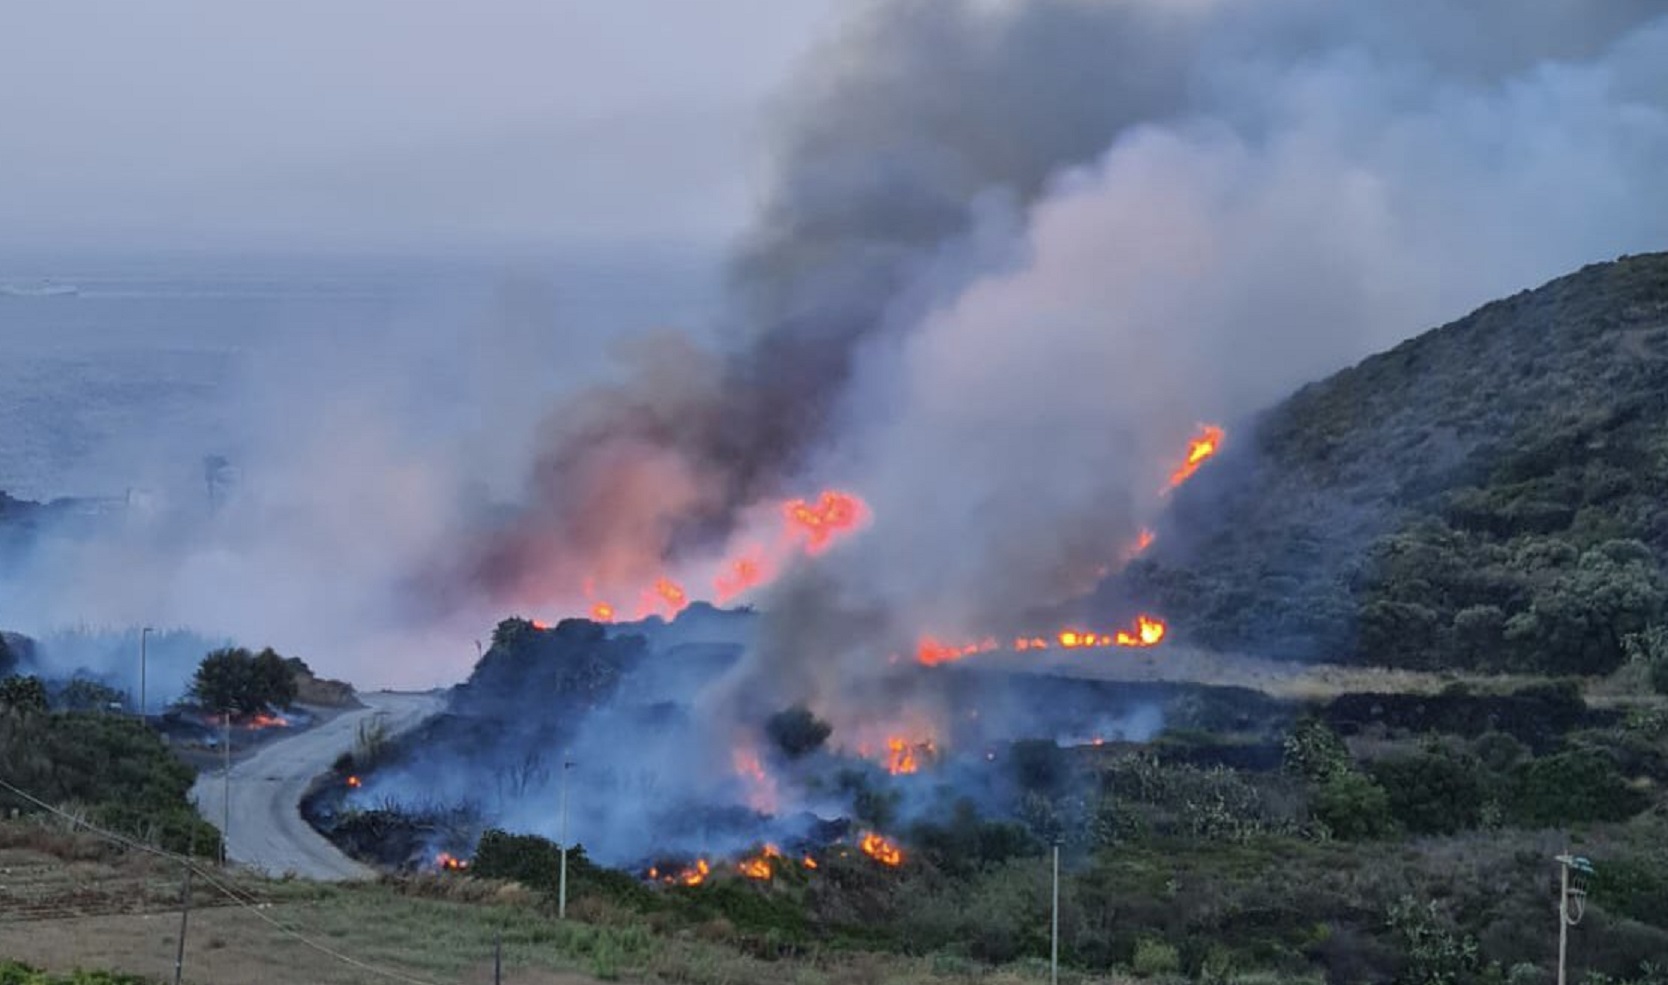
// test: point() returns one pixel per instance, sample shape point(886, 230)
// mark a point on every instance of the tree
point(242, 681)
point(797, 732)
point(1352, 807)
point(23, 693)
point(83, 694)
point(1432, 792)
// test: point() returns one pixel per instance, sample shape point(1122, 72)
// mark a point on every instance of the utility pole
point(1054, 932)
point(562, 882)
point(143, 708)
point(185, 912)
point(226, 789)
point(1572, 904)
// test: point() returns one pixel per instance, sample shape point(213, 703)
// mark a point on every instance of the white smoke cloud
point(1013, 254)
point(1366, 189)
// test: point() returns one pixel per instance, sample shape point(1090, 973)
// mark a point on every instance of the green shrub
point(1353, 807)
point(1154, 958)
point(1315, 752)
point(1571, 787)
point(1432, 792)
point(12, 973)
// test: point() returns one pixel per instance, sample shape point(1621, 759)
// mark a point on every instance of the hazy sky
point(405, 124)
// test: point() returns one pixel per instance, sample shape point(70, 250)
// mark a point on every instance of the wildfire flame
point(354, 783)
point(761, 789)
point(819, 523)
point(1143, 541)
point(263, 720)
point(901, 755)
point(758, 866)
point(810, 863)
point(447, 862)
point(881, 850)
point(740, 575)
point(808, 525)
point(1199, 451)
point(692, 875)
point(1148, 631)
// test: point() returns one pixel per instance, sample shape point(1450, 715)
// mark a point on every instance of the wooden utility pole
point(1054, 932)
point(1572, 904)
point(185, 913)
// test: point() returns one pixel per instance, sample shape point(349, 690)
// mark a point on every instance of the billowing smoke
point(1014, 252)
point(1010, 254)
point(1013, 255)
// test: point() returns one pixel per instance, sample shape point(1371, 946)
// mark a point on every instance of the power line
point(231, 894)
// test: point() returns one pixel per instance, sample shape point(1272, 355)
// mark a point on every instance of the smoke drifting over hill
point(1009, 256)
point(1014, 252)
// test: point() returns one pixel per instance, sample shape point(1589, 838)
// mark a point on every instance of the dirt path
point(266, 831)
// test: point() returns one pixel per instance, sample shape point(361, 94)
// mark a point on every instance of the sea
point(151, 344)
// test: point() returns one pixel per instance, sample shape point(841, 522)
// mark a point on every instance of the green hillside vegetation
point(108, 768)
point(1491, 495)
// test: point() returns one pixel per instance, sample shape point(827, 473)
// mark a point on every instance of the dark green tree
point(233, 678)
point(1432, 792)
point(23, 693)
point(797, 732)
point(83, 694)
point(1352, 807)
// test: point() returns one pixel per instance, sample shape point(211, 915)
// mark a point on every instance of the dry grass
point(430, 930)
point(1277, 678)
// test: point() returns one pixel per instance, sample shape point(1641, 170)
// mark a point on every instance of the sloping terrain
point(1492, 495)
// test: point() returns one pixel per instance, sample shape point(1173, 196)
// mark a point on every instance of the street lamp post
point(226, 790)
point(1054, 925)
point(562, 881)
point(143, 633)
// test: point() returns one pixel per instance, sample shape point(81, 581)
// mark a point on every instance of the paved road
point(267, 832)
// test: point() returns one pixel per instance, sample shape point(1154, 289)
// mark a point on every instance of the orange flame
point(354, 783)
point(666, 597)
point(761, 789)
point(881, 850)
point(819, 524)
point(1147, 632)
point(602, 612)
point(902, 755)
point(694, 875)
point(740, 575)
point(264, 720)
point(758, 866)
point(1199, 451)
point(810, 863)
point(540, 626)
point(1143, 541)
point(447, 862)
point(931, 652)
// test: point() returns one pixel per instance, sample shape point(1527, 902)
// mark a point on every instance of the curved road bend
point(267, 831)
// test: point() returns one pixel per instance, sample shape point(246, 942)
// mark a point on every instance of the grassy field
point(1290, 680)
point(69, 901)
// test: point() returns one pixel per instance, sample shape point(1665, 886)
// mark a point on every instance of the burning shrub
point(797, 732)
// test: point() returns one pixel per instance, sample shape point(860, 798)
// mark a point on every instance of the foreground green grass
point(12, 973)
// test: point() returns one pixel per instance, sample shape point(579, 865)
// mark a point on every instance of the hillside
point(1490, 495)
